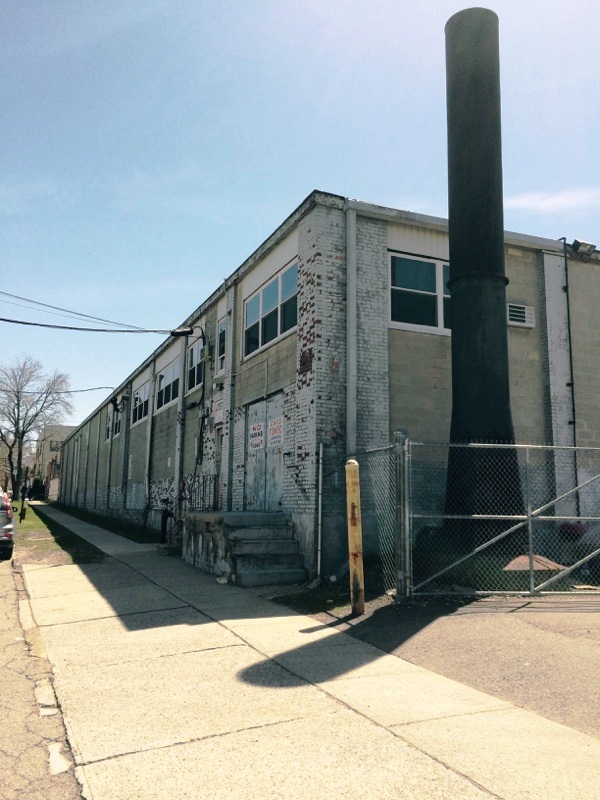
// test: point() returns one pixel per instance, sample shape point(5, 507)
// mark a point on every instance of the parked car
point(7, 525)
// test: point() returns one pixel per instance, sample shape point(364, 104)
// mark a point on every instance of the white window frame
point(141, 400)
point(221, 344)
point(194, 362)
point(441, 293)
point(264, 315)
point(167, 382)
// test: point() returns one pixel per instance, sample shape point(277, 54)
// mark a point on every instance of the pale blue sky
point(149, 146)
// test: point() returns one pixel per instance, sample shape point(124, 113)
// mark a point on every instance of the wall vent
point(521, 316)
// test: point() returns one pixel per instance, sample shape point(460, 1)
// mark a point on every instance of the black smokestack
point(479, 481)
point(480, 385)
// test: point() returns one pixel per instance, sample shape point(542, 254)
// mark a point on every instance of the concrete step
point(268, 560)
point(243, 547)
point(254, 519)
point(260, 532)
point(265, 577)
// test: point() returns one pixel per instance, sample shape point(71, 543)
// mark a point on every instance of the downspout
point(180, 427)
point(320, 511)
point(149, 432)
point(110, 421)
point(87, 464)
point(351, 331)
point(232, 308)
point(571, 371)
point(126, 422)
point(99, 418)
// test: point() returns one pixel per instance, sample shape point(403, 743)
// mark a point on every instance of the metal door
point(264, 455)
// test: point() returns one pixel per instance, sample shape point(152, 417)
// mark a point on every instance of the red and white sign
point(275, 432)
point(256, 436)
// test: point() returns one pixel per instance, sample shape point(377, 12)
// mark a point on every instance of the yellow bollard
point(355, 559)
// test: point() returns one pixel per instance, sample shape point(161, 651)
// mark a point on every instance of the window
point(221, 339)
point(116, 423)
point(195, 366)
point(108, 428)
point(420, 298)
point(167, 385)
point(272, 311)
point(141, 396)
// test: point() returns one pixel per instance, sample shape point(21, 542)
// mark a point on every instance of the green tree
point(29, 399)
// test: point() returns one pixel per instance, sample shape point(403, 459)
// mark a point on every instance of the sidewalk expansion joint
point(506, 707)
point(110, 616)
point(193, 740)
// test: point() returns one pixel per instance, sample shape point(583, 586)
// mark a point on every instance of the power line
point(92, 330)
point(74, 391)
point(67, 310)
point(67, 315)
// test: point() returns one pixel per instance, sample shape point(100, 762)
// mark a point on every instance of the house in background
point(46, 468)
point(331, 336)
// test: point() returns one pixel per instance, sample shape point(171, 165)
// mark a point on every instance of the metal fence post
point(403, 538)
point(529, 521)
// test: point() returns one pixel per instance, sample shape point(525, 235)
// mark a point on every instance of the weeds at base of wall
point(43, 541)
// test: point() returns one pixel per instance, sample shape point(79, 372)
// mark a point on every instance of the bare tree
point(29, 399)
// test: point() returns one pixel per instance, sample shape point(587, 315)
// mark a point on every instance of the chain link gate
point(544, 538)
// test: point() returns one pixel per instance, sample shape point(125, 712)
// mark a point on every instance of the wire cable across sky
point(162, 331)
point(66, 311)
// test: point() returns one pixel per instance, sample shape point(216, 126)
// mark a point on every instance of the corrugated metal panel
point(420, 241)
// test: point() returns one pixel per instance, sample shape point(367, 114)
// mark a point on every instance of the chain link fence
point(378, 490)
point(491, 518)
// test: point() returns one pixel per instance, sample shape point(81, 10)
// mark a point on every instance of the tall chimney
point(479, 481)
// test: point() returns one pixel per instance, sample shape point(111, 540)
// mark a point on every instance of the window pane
point(251, 343)
point(168, 393)
point(289, 314)
point(191, 378)
point(408, 273)
point(416, 309)
point(270, 297)
point(289, 282)
point(269, 327)
point(252, 311)
point(446, 271)
point(447, 313)
point(175, 389)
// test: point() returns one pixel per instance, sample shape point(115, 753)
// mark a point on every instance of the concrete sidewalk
point(174, 686)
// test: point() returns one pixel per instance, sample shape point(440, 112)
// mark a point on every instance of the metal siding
point(420, 241)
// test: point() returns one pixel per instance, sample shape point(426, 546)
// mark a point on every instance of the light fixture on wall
point(119, 405)
point(583, 248)
point(179, 333)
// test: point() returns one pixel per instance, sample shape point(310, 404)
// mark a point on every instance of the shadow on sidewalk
point(386, 628)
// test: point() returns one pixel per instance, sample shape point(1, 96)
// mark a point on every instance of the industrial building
point(331, 336)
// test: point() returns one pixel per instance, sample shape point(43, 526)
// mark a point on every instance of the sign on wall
point(256, 436)
point(275, 432)
point(219, 411)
